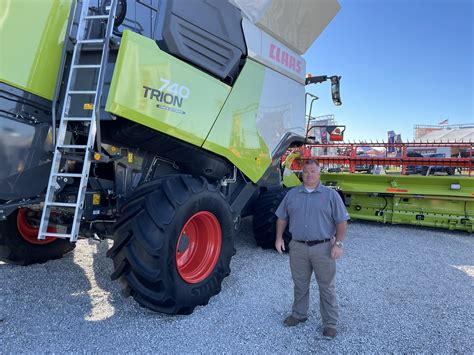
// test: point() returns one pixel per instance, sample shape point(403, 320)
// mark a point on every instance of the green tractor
point(158, 124)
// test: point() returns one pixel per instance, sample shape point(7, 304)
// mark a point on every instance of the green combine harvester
point(156, 123)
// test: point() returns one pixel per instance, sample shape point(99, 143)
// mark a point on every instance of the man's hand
point(341, 228)
point(280, 229)
point(336, 251)
point(280, 245)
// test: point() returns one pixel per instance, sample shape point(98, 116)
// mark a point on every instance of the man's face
point(311, 175)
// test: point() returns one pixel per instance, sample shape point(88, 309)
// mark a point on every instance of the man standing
point(318, 222)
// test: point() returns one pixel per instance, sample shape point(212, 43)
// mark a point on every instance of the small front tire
point(19, 244)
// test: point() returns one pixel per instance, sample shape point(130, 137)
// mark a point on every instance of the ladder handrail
point(102, 70)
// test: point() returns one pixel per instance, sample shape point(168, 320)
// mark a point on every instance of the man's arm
point(336, 250)
point(341, 231)
point(280, 229)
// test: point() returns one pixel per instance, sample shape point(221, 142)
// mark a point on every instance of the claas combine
point(155, 123)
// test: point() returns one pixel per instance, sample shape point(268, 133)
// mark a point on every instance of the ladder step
point(58, 235)
point(74, 156)
point(82, 92)
point(85, 119)
point(72, 146)
point(61, 204)
point(96, 17)
point(90, 41)
point(67, 174)
point(86, 66)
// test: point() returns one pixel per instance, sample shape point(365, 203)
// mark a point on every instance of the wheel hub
point(198, 247)
point(30, 232)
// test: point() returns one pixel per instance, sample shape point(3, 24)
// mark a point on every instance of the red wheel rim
point(198, 247)
point(29, 232)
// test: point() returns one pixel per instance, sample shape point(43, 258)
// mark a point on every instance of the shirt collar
point(317, 189)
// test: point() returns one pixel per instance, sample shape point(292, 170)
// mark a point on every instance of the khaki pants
point(304, 260)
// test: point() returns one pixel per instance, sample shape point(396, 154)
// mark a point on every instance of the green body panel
point(185, 108)
point(235, 135)
point(428, 211)
point(290, 179)
point(416, 200)
point(413, 184)
point(31, 39)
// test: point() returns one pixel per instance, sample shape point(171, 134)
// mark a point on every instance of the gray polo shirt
point(312, 215)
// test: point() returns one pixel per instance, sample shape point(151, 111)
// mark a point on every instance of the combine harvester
point(415, 195)
point(156, 123)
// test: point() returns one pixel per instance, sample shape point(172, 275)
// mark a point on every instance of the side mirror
point(335, 92)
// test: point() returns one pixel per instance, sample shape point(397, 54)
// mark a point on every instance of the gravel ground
point(401, 289)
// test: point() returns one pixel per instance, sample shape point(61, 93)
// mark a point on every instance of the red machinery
point(352, 156)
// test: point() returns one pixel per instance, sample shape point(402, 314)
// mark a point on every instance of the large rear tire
point(264, 218)
point(19, 244)
point(173, 244)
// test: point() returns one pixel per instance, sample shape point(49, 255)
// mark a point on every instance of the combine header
point(411, 158)
point(395, 183)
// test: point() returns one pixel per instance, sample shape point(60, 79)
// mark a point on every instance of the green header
point(403, 184)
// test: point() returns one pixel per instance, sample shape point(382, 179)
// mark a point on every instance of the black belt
point(312, 242)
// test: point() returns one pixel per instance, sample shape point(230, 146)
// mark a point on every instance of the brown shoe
point(291, 321)
point(329, 332)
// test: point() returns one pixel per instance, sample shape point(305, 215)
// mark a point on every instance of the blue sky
point(402, 62)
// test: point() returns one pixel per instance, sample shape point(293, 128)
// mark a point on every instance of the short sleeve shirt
point(312, 215)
